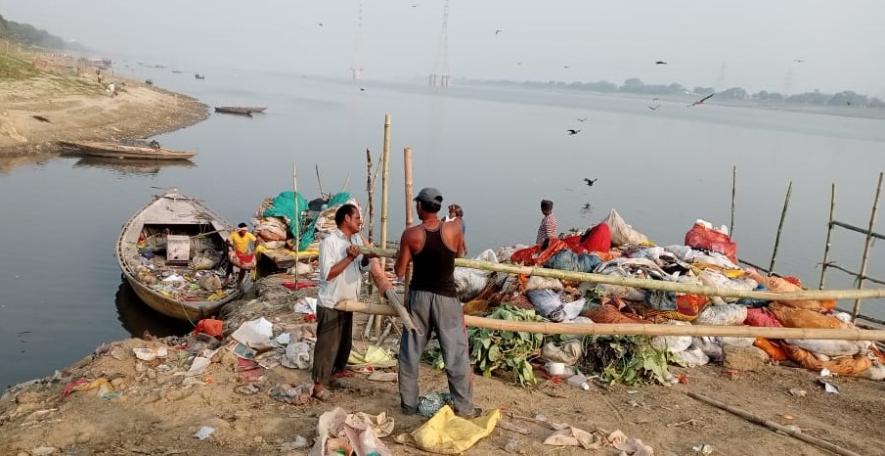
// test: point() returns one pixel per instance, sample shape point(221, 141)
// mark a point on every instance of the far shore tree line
point(636, 86)
point(29, 35)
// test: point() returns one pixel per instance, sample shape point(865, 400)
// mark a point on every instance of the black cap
point(429, 195)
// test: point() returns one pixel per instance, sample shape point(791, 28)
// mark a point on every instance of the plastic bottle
point(579, 381)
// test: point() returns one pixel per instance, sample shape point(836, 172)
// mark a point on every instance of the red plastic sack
point(524, 256)
point(210, 326)
point(699, 237)
point(598, 239)
point(762, 317)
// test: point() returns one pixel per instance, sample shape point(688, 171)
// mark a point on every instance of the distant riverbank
point(45, 99)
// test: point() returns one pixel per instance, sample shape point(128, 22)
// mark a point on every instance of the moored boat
point(124, 151)
point(171, 252)
point(240, 110)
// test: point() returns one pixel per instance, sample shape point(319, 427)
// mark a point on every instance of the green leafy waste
point(506, 351)
point(629, 360)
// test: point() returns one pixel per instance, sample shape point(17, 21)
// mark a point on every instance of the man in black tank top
point(432, 248)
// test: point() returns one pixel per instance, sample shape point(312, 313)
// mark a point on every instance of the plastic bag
point(691, 357)
point(621, 232)
point(701, 237)
point(298, 355)
point(709, 346)
point(543, 283)
point(849, 366)
point(447, 433)
point(673, 344)
point(722, 315)
point(831, 347)
point(568, 353)
point(549, 305)
point(469, 282)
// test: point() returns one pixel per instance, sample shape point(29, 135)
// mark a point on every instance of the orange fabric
point(691, 305)
point(779, 285)
point(846, 365)
point(610, 314)
point(210, 326)
point(792, 317)
point(774, 350)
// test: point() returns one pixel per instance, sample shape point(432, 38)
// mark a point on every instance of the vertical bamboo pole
point(733, 192)
point(866, 247)
point(780, 227)
point(297, 217)
point(370, 190)
point(407, 165)
point(823, 264)
point(370, 212)
point(385, 191)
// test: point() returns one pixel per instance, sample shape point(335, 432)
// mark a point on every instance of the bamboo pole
point(772, 425)
point(370, 190)
point(297, 217)
point(733, 193)
point(780, 227)
point(385, 192)
point(858, 230)
point(319, 181)
point(407, 165)
point(866, 246)
point(636, 329)
point(825, 263)
point(649, 284)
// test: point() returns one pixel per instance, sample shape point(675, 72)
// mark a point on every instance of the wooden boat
point(180, 215)
point(123, 151)
point(240, 110)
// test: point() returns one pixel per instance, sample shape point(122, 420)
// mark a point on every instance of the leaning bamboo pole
point(636, 329)
point(297, 216)
point(825, 263)
point(370, 190)
point(866, 246)
point(780, 227)
point(649, 284)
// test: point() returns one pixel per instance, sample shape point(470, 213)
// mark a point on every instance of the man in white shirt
point(341, 268)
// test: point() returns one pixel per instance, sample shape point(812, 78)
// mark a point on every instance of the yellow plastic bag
point(375, 356)
point(446, 433)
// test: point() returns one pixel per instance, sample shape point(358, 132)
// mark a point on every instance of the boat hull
point(122, 152)
point(191, 311)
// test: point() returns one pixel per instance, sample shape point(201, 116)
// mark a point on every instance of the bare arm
point(404, 257)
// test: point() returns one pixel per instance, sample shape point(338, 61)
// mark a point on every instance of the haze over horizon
point(752, 43)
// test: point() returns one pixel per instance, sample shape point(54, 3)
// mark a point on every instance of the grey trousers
point(441, 314)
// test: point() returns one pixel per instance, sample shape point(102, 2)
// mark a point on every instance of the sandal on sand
point(322, 395)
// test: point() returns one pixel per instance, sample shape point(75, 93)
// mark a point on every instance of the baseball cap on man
point(429, 195)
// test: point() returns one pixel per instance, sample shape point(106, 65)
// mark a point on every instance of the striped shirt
point(548, 229)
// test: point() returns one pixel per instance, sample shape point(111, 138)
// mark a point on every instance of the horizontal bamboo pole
point(653, 284)
point(858, 230)
point(855, 274)
point(635, 329)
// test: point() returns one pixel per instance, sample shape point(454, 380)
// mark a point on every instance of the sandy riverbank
point(154, 408)
point(77, 108)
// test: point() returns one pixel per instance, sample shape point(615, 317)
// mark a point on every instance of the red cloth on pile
point(598, 239)
point(702, 238)
point(210, 326)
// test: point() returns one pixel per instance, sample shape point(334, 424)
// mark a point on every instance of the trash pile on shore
point(277, 227)
point(708, 257)
point(197, 278)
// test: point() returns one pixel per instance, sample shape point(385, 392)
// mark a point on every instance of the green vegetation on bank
point(29, 35)
point(14, 68)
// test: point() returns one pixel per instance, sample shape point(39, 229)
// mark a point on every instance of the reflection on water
point(136, 317)
point(7, 164)
point(131, 167)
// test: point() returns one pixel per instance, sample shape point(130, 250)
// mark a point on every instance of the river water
point(496, 152)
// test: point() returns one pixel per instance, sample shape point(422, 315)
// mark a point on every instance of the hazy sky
point(752, 43)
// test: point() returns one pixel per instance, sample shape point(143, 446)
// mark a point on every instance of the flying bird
point(702, 100)
point(799, 61)
point(582, 119)
point(565, 66)
point(572, 131)
point(587, 206)
point(320, 24)
point(41, 118)
point(590, 182)
point(656, 104)
point(498, 31)
point(660, 62)
point(362, 89)
point(654, 107)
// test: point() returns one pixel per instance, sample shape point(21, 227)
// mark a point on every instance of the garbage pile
point(200, 278)
point(277, 226)
point(707, 257)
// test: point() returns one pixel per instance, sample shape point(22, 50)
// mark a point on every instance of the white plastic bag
point(673, 344)
point(831, 347)
point(722, 315)
point(621, 232)
point(710, 346)
point(692, 357)
point(255, 333)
